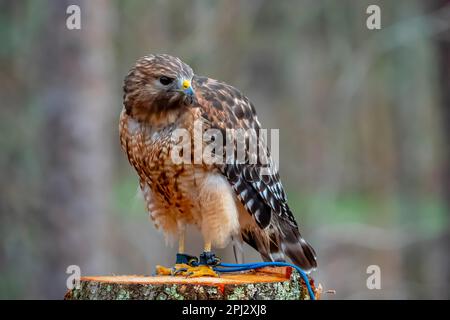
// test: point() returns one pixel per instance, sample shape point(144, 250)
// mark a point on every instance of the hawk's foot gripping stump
point(190, 266)
point(272, 283)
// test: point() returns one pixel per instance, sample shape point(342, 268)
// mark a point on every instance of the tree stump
point(279, 283)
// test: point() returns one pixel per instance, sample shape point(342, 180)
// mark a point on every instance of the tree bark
point(264, 284)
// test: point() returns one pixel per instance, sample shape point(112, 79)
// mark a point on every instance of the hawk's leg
point(190, 266)
point(209, 258)
point(182, 263)
point(207, 261)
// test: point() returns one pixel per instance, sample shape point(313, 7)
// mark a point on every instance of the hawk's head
point(157, 84)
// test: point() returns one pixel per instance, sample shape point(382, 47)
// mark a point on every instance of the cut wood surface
point(280, 283)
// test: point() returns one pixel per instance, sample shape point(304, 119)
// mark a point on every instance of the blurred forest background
point(364, 118)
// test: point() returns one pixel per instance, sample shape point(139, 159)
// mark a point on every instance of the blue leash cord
point(209, 259)
point(233, 267)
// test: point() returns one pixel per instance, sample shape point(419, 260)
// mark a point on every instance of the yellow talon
point(178, 269)
point(186, 270)
point(162, 271)
point(201, 271)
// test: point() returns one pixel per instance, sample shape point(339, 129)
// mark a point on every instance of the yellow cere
point(186, 84)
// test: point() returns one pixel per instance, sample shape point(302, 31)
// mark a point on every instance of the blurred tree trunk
point(443, 47)
point(77, 93)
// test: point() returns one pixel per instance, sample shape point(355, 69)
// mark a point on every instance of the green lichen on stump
point(230, 287)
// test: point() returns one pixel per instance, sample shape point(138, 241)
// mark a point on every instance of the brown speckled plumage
point(222, 200)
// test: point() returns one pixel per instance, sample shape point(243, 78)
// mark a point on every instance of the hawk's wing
point(224, 107)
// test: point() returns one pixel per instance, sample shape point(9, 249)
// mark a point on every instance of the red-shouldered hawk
point(224, 200)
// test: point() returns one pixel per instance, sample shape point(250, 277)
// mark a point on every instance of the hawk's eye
point(165, 80)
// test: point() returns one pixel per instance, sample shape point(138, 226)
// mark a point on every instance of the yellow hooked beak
point(186, 86)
